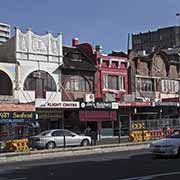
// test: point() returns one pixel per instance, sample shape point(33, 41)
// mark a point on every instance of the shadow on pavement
point(152, 156)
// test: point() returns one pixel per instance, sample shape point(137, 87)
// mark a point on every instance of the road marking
point(20, 178)
point(151, 176)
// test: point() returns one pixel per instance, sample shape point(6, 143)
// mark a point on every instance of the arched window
point(6, 84)
point(40, 82)
point(77, 83)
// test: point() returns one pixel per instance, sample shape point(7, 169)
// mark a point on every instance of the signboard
point(98, 116)
point(63, 104)
point(16, 117)
point(48, 114)
point(166, 104)
point(136, 104)
point(99, 105)
point(138, 125)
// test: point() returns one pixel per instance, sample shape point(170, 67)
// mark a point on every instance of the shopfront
point(63, 114)
point(17, 121)
point(99, 116)
point(129, 112)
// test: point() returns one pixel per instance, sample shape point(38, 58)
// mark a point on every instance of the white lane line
point(20, 178)
point(151, 176)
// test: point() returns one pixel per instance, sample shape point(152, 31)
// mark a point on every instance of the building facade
point(30, 70)
point(78, 76)
point(5, 32)
point(111, 84)
point(155, 78)
point(162, 38)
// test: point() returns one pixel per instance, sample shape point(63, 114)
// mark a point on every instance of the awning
point(98, 115)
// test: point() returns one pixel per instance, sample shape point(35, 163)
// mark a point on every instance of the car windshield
point(175, 136)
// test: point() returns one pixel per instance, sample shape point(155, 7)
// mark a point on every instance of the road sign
point(137, 125)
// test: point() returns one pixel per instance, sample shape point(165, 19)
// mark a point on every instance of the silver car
point(166, 146)
point(58, 138)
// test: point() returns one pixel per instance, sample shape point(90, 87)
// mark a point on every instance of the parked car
point(166, 146)
point(58, 138)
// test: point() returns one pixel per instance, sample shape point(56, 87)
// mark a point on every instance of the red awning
point(98, 115)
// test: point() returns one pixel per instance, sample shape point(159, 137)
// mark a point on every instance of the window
point(40, 82)
point(68, 133)
point(114, 82)
point(144, 84)
point(77, 83)
point(170, 86)
point(58, 133)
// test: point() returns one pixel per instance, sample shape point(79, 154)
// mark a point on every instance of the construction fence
point(153, 129)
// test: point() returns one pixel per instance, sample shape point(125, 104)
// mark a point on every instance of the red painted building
point(111, 76)
point(111, 83)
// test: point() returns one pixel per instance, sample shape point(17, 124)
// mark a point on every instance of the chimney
point(98, 48)
point(75, 41)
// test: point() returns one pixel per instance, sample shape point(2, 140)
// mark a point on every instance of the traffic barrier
point(17, 145)
point(169, 131)
point(139, 136)
point(156, 134)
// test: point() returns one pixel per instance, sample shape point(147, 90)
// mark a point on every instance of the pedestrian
point(87, 131)
point(93, 137)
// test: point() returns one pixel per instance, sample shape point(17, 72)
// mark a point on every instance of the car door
point(58, 137)
point(72, 139)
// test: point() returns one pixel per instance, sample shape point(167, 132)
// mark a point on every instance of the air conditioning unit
point(89, 98)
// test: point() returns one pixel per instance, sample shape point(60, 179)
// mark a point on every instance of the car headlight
point(167, 146)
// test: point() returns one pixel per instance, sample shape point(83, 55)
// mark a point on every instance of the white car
point(58, 138)
point(166, 146)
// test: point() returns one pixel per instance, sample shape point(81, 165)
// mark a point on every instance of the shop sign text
point(16, 115)
point(62, 105)
point(99, 105)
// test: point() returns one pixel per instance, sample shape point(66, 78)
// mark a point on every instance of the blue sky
point(104, 22)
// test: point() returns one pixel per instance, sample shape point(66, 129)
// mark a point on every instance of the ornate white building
point(33, 63)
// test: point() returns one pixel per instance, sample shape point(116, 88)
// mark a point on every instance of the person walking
point(93, 137)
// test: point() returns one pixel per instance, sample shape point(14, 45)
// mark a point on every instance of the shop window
point(40, 82)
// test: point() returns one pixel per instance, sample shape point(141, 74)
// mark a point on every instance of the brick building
point(163, 38)
point(155, 78)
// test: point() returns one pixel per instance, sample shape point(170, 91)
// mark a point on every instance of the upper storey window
point(114, 82)
point(77, 83)
point(40, 82)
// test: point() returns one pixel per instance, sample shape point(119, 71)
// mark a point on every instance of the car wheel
point(51, 145)
point(85, 142)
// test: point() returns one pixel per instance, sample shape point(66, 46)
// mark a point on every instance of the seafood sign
point(16, 117)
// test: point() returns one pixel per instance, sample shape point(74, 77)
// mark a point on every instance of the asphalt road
point(128, 165)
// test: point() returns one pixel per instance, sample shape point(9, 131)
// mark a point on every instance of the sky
point(98, 22)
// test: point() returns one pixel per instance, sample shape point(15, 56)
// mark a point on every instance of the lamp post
point(119, 123)
point(177, 15)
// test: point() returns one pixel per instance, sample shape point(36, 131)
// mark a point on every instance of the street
point(128, 165)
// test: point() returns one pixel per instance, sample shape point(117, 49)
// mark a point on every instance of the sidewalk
point(72, 151)
point(113, 140)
